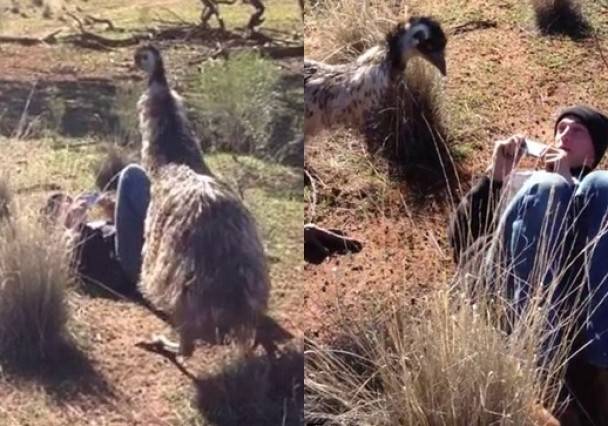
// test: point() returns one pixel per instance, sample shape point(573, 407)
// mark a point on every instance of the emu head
point(148, 59)
point(420, 36)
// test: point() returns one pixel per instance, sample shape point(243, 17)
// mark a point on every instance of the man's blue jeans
point(545, 226)
point(132, 199)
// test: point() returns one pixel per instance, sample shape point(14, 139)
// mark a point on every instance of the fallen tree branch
point(30, 41)
point(91, 40)
point(96, 20)
point(94, 41)
point(478, 24)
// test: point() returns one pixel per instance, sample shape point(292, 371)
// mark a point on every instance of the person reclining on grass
point(555, 216)
point(124, 201)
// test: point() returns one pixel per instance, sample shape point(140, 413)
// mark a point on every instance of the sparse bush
point(236, 100)
point(561, 17)
point(55, 111)
point(34, 273)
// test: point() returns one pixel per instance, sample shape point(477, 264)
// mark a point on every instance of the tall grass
point(343, 29)
point(470, 356)
point(453, 367)
point(34, 274)
point(411, 130)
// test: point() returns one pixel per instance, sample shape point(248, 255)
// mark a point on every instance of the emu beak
point(438, 60)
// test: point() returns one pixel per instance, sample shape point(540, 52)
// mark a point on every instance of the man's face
point(574, 138)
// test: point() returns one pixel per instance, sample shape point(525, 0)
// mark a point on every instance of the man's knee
point(548, 183)
point(133, 174)
point(594, 182)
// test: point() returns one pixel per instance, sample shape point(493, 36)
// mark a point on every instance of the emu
point(203, 260)
point(343, 94)
point(211, 8)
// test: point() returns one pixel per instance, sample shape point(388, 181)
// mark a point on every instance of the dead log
point(31, 41)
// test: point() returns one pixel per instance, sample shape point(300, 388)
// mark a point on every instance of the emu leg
point(210, 9)
point(186, 342)
point(256, 18)
point(161, 345)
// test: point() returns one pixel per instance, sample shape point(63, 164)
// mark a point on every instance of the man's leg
point(533, 228)
point(133, 197)
point(592, 227)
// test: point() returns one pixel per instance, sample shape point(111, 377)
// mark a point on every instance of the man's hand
point(76, 214)
point(107, 201)
point(507, 154)
point(556, 161)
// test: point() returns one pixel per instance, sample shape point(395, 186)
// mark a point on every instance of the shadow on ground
point(68, 378)
point(255, 391)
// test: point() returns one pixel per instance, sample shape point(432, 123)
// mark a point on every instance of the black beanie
point(595, 122)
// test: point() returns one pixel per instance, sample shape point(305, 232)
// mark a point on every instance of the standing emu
point(211, 8)
point(203, 261)
point(343, 94)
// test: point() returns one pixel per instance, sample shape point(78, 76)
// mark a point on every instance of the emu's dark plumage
point(203, 260)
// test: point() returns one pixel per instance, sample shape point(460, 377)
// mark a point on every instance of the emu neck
point(399, 51)
point(158, 76)
point(166, 134)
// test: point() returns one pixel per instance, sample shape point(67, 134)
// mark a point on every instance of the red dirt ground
point(501, 80)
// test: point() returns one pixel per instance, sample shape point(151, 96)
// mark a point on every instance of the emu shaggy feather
point(203, 260)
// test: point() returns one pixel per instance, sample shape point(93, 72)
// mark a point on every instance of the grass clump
point(563, 17)
point(451, 368)
point(6, 199)
point(34, 274)
point(343, 29)
point(237, 102)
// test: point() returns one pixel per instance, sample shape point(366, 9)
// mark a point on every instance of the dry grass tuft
point(34, 274)
point(453, 367)
point(561, 17)
point(464, 358)
point(343, 29)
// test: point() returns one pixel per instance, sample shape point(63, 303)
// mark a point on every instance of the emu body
point(342, 94)
point(203, 260)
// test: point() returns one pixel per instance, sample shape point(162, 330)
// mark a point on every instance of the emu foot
point(320, 243)
point(163, 346)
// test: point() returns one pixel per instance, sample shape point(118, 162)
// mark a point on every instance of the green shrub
point(236, 100)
